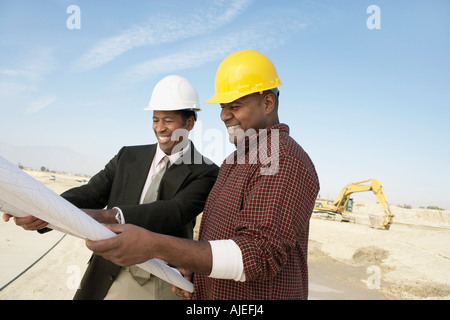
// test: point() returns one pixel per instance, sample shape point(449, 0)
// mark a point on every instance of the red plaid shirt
point(268, 217)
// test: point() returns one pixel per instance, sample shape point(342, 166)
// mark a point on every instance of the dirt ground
point(411, 260)
point(347, 260)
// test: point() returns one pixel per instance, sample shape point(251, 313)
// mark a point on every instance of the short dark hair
point(186, 114)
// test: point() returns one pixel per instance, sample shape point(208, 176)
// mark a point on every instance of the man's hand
point(133, 245)
point(28, 223)
point(183, 294)
point(128, 248)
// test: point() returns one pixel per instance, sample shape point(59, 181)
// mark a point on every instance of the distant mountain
point(54, 158)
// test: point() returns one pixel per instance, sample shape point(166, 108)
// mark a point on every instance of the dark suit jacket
point(182, 196)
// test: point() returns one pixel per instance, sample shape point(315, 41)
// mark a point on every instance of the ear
point(190, 122)
point(269, 103)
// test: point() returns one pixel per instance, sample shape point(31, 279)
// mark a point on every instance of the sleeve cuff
point(227, 260)
point(122, 218)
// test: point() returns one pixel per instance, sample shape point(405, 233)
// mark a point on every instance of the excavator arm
point(348, 190)
point(374, 185)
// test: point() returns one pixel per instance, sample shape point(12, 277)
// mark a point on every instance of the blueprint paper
point(20, 213)
point(22, 195)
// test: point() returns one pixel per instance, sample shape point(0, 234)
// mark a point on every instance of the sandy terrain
point(412, 259)
point(347, 260)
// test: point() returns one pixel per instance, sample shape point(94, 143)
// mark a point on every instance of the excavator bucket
point(378, 222)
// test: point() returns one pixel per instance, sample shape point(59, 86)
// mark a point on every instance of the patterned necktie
point(141, 276)
point(152, 192)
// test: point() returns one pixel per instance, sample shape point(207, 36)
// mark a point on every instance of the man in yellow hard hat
point(254, 230)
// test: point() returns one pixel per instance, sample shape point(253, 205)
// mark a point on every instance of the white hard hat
point(174, 93)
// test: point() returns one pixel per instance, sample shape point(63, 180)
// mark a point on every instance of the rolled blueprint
point(30, 211)
point(22, 195)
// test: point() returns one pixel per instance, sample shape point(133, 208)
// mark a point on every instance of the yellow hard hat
point(242, 73)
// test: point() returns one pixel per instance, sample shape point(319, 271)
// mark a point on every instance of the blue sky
point(364, 103)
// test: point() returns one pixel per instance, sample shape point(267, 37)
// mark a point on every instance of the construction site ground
point(347, 260)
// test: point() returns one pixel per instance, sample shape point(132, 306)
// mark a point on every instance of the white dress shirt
point(158, 163)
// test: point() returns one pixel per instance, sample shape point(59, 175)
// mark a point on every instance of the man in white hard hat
point(151, 186)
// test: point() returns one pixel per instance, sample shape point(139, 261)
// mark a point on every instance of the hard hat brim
point(233, 96)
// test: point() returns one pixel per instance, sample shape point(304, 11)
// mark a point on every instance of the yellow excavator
point(343, 204)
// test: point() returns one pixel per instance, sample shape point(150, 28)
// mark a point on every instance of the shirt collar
point(159, 155)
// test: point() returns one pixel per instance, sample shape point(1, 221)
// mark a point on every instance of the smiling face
point(165, 123)
point(255, 111)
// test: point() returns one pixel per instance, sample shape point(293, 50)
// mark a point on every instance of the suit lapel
point(137, 172)
point(172, 181)
point(176, 174)
point(138, 168)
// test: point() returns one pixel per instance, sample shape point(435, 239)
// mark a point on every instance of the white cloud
point(34, 66)
point(20, 81)
point(40, 103)
point(187, 59)
point(260, 36)
point(163, 29)
point(12, 88)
